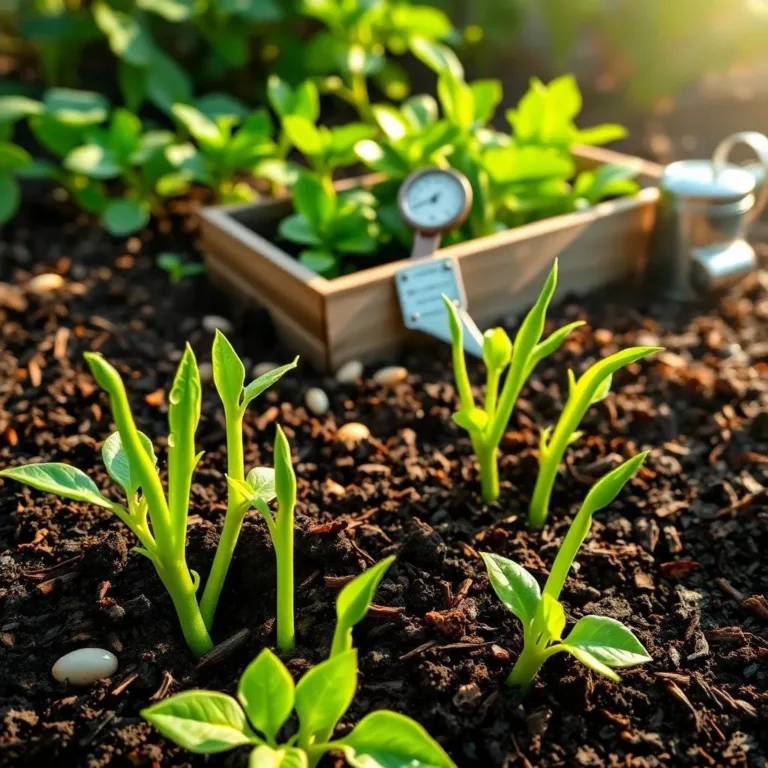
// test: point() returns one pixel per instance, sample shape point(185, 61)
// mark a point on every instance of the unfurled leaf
point(14, 108)
point(201, 127)
point(13, 158)
point(324, 694)
point(487, 96)
point(609, 641)
point(228, 372)
point(75, 108)
point(321, 262)
point(588, 660)
point(438, 57)
point(266, 692)
point(203, 722)
point(304, 135)
point(266, 380)
point(262, 483)
point(389, 740)
point(60, 479)
point(600, 134)
point(10, 197)
point(550, 618)
point(92, 160)
point(353, 603)
point(127, 38)
point(515, 587)
point(391, 121)
point(316, 199)
point(117, 464)
point(124, 217)
point(298, 229)
point(167, 83)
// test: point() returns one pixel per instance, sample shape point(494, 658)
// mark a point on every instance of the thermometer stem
point(424, 245)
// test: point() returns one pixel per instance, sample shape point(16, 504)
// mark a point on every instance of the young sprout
point(257, 491)
point(158, 521)
point(207, 722)
point(592, 387)
point(486, 425)
point(601, 643)
point(177, 268)
point(229, 378)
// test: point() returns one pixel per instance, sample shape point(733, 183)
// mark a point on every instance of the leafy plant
point(329, 223)
point(207, 722)
point(359, 33)
point(158, 518)
point(601, 643)
point(592, 387)
point(259, 485)
point(226, 146)
point(177, 268)
point(486, 425)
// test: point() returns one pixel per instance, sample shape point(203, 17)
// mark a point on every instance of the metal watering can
point(699, 242)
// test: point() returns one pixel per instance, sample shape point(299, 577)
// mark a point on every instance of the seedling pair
point(486, 425)
point(156, 516)
point(601, 643)
point(207, 722)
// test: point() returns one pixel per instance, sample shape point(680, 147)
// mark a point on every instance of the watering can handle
point(759, 144)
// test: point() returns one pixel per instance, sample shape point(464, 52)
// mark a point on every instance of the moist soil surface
point(679, 556)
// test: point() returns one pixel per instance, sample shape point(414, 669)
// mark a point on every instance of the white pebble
point(45, 283)
point(350, 372)
point(206, 372)
point(261, 368)
point(85, 666)
point(317, 401)
point(393, 374)
point(353, 432)
point(212, 323)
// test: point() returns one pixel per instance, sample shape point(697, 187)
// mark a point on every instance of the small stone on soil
point(85, 666)
point(390, 375)
point(317, 401)
point(46, 283)
point(350, 372)
point(353, 432)
point(212, 323)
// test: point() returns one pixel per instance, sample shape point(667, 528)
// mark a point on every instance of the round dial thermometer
point(434, 200)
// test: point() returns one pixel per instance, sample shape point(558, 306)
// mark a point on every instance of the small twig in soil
point(677, 692)
point(416, 651)
point(165, 686)
point(44, 573)
point(224, 650)
point(731, 591)
point(120, 687)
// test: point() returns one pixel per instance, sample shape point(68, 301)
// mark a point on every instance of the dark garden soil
point(680, 556)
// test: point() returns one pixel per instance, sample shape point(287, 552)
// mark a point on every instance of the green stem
point(178, 582)
point(488, 458)
point(360, 95)
point(545, 481)
point(233, 520)
point(526, 668)
point(286, 635)
point(492, 391)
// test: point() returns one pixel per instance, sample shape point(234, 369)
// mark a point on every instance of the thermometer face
point(435, 200)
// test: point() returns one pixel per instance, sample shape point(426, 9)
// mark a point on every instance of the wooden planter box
point(357, 316)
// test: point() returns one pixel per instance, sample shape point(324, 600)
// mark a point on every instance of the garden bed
point(673, 557)
point(357, 316)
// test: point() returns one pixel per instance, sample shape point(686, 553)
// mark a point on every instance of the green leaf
point(324, 694)
point(608, 487)
point(266, 692)
point(600, 134)
point(202, 128)
point(171, 10)
point(117, 464)
point(92, 160)
point(262, 483)
point(15, 108)
point(221, 105)
point(438, 57)
point(513, 164)
point(497, 349)
point(472, 420)
point(298, 229)
point(382, 159)
point(167, 82)
point(553, 342)
point(564, 96)
point(280, 95)
point(487, 96)
point(12, 158)
point(228, 372)
point(266, 380)
point(353, 603)
point(344, 138)
point(285, 478)
point(124, 217)
point(76, 108)
point(392, 123)
point(321, 262)
point(609, 641)
point(127, 38)
point(304, 135)
point(60, 479)
point(515, 587)
point(286, 757)
point(457, 101)
point(420, 111)
point(203, 722)
point(386, 739)
point(590, 661)
point(315, 198)
point(124, 134)
point(10, 198)
point(133, 85)
point(549, 619)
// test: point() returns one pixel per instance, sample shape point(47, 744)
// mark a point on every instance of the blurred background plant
point(127, 104)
